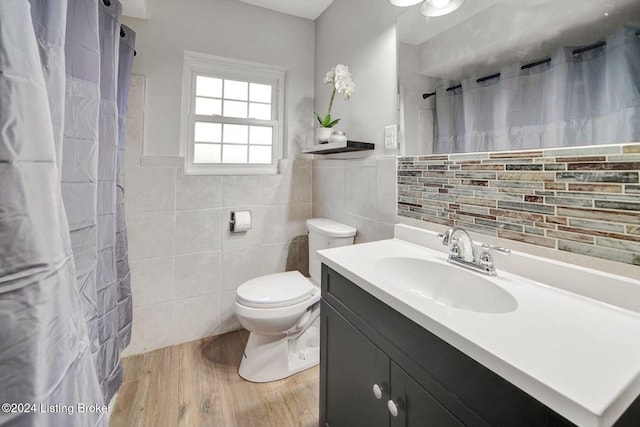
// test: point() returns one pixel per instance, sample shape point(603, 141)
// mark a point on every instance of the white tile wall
point(196, 317)
point(152, 328)
point(152, 281)
point(150, 234)
point(185, 264)
point(198, 274)
point(198, 192)
point(240, 265)
point(150, 189)
point(360, 193)
point(198, 231)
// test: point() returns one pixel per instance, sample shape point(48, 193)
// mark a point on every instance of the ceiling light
point(439, 7)
point(431, 7)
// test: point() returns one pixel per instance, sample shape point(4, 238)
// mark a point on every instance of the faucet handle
point(445, 237)
point(499, 249)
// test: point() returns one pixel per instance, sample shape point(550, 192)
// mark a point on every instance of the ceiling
point(309, 9)
point(484, 35)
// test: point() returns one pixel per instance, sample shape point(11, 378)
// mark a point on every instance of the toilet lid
point(275, 290)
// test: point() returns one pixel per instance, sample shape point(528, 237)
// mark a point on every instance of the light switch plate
point(391, 136)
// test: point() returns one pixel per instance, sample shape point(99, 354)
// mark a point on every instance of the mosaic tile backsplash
point(583, 200)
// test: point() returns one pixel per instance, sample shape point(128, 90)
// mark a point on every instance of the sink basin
point(444, 284)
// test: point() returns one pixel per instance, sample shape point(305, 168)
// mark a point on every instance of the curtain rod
point(524, 67)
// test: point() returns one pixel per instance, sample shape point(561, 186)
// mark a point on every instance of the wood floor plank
point(132, 367)
point(160, 405)
point(197, 384)
point(124, 411)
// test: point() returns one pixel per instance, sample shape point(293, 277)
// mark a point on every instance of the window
point(232, 116)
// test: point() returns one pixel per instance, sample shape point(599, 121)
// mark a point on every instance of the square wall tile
point(279, 257)
point(282, 223)
point(149, 189)
point(240, 265)
point(196, 317)
point(386, 191)
point(152, 328)
point(252, 237)
point(242, 191)
point(361, 191)
point(197, 274)
point(152, 281)
point(151, 234)
point(198, 191)
point(198, 231)
point(135, 121)
point(228, 320)
point(291, 185)
point(384, 230)
point(367, 228)
point(329, 187)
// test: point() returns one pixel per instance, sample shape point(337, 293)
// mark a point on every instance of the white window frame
point(216, 66)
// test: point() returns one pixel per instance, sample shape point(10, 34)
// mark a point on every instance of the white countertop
point(577, 355)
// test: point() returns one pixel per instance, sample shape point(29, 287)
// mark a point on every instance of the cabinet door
point(353, 366)
point(414, 405)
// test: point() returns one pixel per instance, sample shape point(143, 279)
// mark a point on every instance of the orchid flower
point(340, 79)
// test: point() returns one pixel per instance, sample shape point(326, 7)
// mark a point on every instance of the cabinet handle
point(377, 391)
point(393, 408)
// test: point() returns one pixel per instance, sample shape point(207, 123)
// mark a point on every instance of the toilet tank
point(323, 234)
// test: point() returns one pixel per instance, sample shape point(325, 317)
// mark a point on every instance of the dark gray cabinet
point(357, 365)
point(364, 382)
point(364, 342)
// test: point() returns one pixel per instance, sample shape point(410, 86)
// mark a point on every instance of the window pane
point(207, 132)
point(260, 93)
point(235, 109)
point(206, 153)
point(208, 106)
point(259, 154)
point(236, 90)
point(236, 134)
point(260, 111)
point(208, 86)
point(234, 154)
point(260, 135)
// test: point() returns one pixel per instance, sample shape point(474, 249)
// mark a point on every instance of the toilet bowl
point(281, 312)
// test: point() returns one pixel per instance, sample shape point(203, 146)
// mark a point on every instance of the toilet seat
point(275, 290)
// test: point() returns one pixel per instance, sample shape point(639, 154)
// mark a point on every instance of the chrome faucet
point(460, 247)
point(461, 251)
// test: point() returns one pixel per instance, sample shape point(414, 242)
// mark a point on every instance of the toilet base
point(270, 358)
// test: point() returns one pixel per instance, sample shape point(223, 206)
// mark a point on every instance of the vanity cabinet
point(363, 382)
point(365, 343)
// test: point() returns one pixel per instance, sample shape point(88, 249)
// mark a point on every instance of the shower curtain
point(578, 98)
point(65, 300)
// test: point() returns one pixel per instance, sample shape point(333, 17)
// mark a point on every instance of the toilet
point(281, 311)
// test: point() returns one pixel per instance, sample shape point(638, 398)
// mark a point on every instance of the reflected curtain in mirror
point(577, 98)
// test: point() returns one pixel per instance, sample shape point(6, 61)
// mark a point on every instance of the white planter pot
point(322, 135)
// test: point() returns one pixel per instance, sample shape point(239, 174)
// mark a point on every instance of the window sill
point(202, 169)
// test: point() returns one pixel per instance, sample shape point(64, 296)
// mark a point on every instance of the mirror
point(481, 38)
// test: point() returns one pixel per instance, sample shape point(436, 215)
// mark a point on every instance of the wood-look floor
point(197, 384)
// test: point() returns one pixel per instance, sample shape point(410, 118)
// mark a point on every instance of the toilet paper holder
point(240, 221)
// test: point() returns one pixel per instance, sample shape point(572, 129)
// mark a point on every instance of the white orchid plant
point(339, 78)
